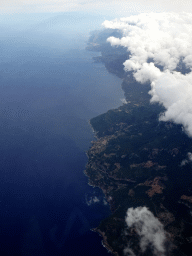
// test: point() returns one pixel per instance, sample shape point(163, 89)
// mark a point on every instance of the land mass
point(139, 161)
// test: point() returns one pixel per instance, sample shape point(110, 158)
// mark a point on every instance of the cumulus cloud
point(148, 227)
point(158, 44)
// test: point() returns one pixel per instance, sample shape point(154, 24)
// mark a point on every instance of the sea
point(49, 89)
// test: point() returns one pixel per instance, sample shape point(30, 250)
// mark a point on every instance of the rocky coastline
point(136, 161)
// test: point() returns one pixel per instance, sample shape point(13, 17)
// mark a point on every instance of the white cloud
point(187, 160)
point(184, 162)
point(163, 39)
point(124, 101)
point(189, 154)
point(96, 199)
point(105, 202)
point(148, 227)
point(128, 252)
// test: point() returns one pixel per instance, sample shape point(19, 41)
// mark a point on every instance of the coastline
point(134, 160)
point(109, 200)
point(104, 241)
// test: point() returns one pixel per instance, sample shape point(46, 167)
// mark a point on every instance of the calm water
point(47, 97)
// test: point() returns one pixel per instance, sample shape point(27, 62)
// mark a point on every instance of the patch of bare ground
point(148, 164)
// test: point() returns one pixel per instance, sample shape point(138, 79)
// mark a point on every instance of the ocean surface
point(48, 94)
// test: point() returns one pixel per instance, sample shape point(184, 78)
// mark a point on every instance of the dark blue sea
point(49, 89)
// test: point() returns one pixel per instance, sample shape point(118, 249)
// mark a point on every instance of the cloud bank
point(159, 44)
point(149, 229)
